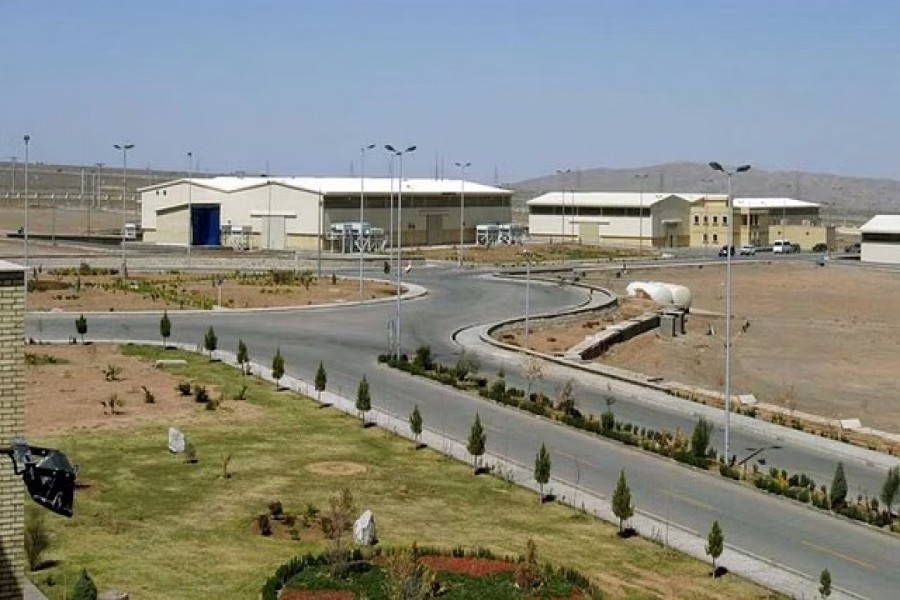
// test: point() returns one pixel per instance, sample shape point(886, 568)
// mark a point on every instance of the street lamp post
point(190, 235)
point(641, 179)
point(562, 232)
point(124, 148)
point(729, 235)
point(527, 293)
point(462, 210)
point(399, 154)
point(362, 212)
point(27, 140)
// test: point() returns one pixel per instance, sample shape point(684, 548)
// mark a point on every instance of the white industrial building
point(881, 240)
point(303, 212)
point(626, 218)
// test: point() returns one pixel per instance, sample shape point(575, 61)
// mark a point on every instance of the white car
point(748, 250)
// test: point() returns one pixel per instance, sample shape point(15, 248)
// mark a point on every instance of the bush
point(184, 388)
point(265, 527)
point(37, 538)
point(149, 397)
point(276, 509)
point(201, 395)
point(84, 587)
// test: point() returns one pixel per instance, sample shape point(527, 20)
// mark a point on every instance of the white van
point(782, 247)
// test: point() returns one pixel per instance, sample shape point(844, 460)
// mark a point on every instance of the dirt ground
point(173, 292)
point(825, 339)
point(66, 396)
point(515, 255)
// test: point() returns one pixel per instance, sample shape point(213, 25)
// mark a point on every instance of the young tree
point(321, 381)
point(542, 469)
point(363, 399)
point(165, 327)
point(825, 583)
point(565, 398)
point(621, 502)
point(715, 543)
point(243, 357)
point(210, 341)
point(336, 524)
point(534, 372)
point(415, 423)
point(81, 327)
point(477, 442)
point(84, 587)
point(277, 366)
point(700, 438)
point(839, 487)
point(890, 489)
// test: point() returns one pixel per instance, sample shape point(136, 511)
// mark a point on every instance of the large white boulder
point(176, 441)
point(364, 532)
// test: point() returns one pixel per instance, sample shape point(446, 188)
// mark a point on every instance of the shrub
point(84, 587)
point(149, 397)
point(184, 388)
point(37, 538)
point(265, 527)
point(201, 395)
point(112, 372)
point(422, 358)
point(276, 509)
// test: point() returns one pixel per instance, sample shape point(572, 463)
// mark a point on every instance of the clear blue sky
point(523, 86)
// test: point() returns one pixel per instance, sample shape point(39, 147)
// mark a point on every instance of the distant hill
point(853, 199)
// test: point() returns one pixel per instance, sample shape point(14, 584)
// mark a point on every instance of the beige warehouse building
point(881, 240)
point(281, 213)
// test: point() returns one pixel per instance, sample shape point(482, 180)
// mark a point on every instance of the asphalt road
point(348, 339)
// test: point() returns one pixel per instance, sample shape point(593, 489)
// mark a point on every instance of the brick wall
point(12, 424)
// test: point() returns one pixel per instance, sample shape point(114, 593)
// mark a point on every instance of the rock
point(176, 441)
point(113, 595)
point(364, 529)
point(170, 362)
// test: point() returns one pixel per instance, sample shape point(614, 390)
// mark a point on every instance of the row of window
point(715, 220)
point(884, 238)
point(381, 202)
point(589, 211)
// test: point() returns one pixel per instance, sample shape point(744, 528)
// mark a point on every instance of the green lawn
point(160, 528)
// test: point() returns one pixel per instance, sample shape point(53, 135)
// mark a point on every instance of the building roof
point(607, 199)
point(772, 203)
point(882, 224)
point(338, 185)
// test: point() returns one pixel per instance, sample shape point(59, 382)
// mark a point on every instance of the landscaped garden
point(190, 526)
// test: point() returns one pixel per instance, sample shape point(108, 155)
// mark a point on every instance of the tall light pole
point(729, 234)
point(527, 292)
point(190, 235)
point(641, 179)
point(27, 140)
point(462, 210)
point(562, 176)
point(362, 211)
point(124, 148)
point(399, 154)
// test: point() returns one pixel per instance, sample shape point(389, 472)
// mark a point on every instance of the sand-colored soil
point(67, 396)
point(516, 254)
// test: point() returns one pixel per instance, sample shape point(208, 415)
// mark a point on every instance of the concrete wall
point(12, 424)
point(172, 227)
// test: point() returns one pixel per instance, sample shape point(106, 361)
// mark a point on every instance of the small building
point(280, 213)
point(615, 218)
point(881, 240)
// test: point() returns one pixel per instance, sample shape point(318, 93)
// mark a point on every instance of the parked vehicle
point(748, 250)
point(853, 248)
point(724, 251)
point(785, 247)
point(820, 247)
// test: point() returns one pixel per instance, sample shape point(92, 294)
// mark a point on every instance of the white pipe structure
point(462, 210)
point(399, 154)
point(362, 212)
point(124, 148)
point(728, 250)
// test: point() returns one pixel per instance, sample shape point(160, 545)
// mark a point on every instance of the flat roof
point(608, 199)
point(773, 203)
point(338, 185)
point(882, 224)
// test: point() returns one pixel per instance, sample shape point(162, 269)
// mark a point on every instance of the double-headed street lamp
point(730, 243)
point(462, 210)
point(641, 178)
point(562, 175)
point(362, 212)
point(124, 148)
point(399, 154)
point(27, 140)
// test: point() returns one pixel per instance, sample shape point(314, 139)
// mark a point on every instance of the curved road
point(348, 339)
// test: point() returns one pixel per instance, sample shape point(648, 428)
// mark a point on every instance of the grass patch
point(160, 528)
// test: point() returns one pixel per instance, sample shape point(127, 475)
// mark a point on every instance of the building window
point(705, 238)
point(696, 219)
point(157, 192)
point(705, 220)
point(164, 192)
point(715, 220)
point(725, 220)
point(715, 238)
